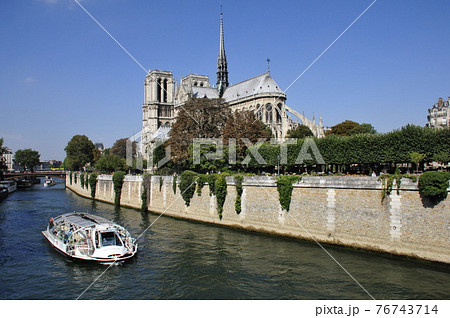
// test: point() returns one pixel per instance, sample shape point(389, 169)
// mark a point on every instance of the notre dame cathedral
point(261, 94)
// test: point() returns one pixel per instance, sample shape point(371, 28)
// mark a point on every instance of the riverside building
point(439, 114)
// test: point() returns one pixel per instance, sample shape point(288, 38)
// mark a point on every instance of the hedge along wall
point(392, 147)
point(337, 210)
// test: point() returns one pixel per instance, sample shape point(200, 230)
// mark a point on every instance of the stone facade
point(8, 157)
point(130, 195)
point(439, 114)
point(344, 211)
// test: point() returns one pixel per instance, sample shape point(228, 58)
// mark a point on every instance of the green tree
point(110, 163)
point(442, 157)
point(299, 132)
point(434, 185)
point(362, 129)
point(158, 154)
point(342, 129)
point(198, 118)
point(27, 158)
point(96, 154)
point(120, 148)
point(79, 152)
point(417, 158)
point(241, 125)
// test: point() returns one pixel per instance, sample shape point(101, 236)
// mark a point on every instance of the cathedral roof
point(201, 92)
point(263, 83)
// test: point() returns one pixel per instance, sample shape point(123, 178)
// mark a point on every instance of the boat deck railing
point(84, 249)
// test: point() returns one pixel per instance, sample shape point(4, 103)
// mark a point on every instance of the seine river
point(184, 260)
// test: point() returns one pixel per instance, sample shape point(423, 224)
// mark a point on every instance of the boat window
point(97, 240)
point(110, 239)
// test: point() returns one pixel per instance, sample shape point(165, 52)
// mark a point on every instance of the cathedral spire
point(222, 70)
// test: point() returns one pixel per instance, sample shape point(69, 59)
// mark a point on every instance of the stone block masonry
point(344, 211)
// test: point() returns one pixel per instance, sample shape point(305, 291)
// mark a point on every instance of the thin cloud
point(31, 80)
point(15, 137)
point(52, 2)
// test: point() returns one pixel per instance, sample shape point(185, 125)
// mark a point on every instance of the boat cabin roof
point(85, 219)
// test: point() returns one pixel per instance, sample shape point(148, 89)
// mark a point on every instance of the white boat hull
point(89, 237)
point(10, 186)
point(62, 248)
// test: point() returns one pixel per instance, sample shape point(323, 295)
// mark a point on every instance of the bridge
point(13, 175)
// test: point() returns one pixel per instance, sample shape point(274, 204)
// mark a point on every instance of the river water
point(186, 260)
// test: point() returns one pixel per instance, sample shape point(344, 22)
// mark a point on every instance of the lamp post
point(278, 165)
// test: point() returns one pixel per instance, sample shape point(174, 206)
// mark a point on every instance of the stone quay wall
point(345, 211)
point(130, 195)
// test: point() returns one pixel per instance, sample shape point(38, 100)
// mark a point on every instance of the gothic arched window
point(269, 110)
point(158, 90)
point(164, 91)
point(278, 110)
point(259, 112)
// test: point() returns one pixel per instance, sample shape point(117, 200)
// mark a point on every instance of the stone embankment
point(344, 211)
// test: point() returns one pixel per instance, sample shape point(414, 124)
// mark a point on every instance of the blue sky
point(62, 75)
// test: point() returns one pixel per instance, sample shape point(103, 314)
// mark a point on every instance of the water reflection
point(185, 260)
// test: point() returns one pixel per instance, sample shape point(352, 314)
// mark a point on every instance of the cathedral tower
point(158, 107)
point(222, 69)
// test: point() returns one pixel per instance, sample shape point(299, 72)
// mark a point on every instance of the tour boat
point(49, 182)
point(10, 185)
point(89, 237)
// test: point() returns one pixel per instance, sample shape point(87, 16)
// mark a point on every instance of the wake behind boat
point(89, 237)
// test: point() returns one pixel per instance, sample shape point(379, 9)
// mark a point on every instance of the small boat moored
point(24, 183)
point(10, 185)
point(89, 237)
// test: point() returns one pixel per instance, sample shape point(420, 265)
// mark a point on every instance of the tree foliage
point(118, 178)
point(350, 128)
point(198, 118)
point(146, 180)
point(362, 129)
point(93, 183)
point(392, 147)
point(27, 158)
point(417, 158)
point(119, 148)
point(342, 129)
point(241, 126)
point(442, 157)
point(187, 185)
point(434, 184)
point(239, 190)
point(221, 193)
point(79, 152)
point(110, 163)
point(285, 187)
point(299, 132)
